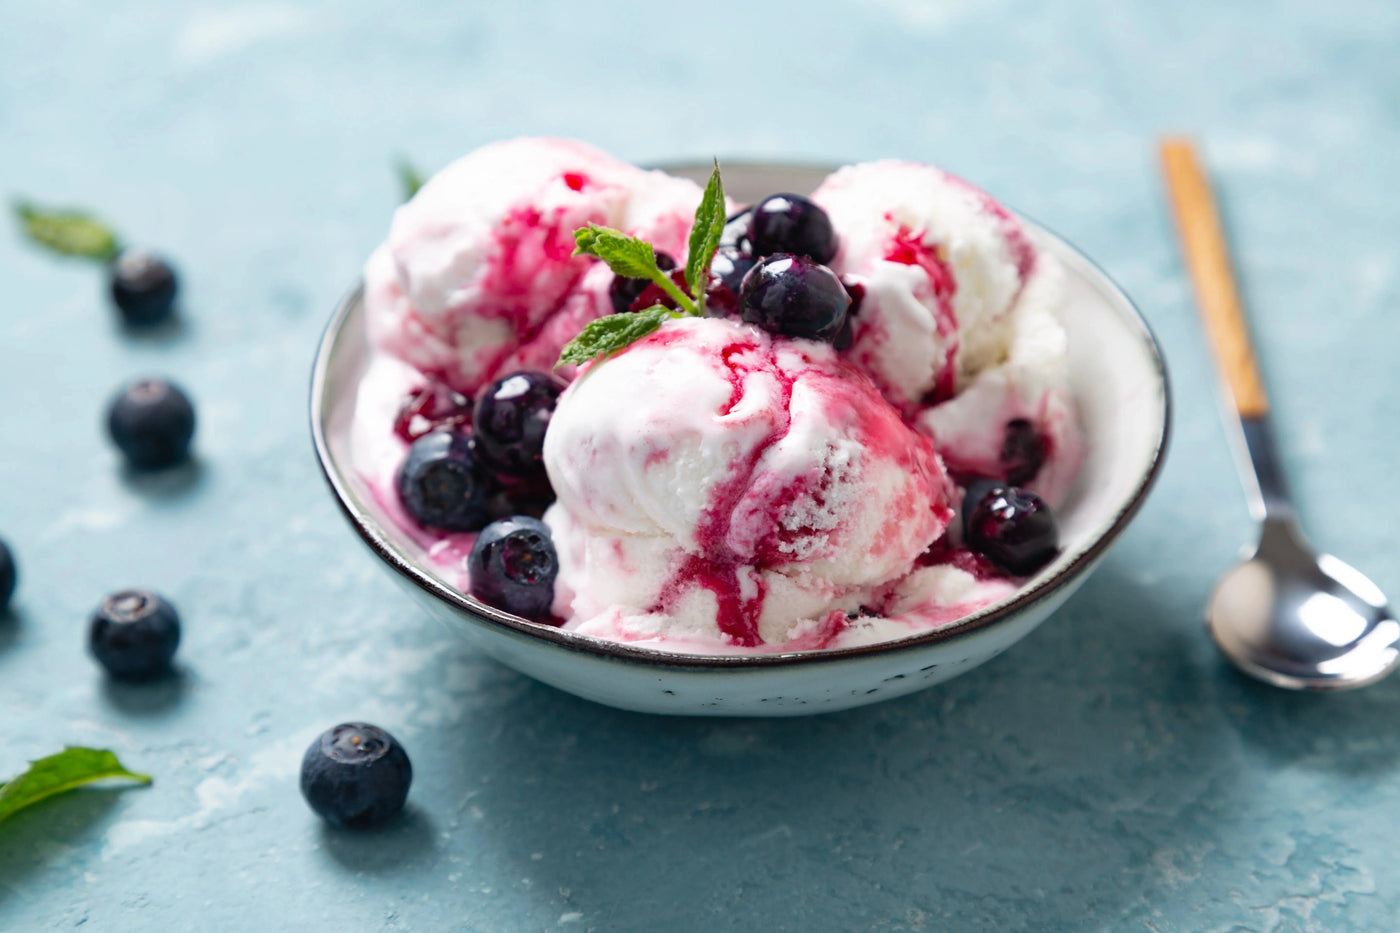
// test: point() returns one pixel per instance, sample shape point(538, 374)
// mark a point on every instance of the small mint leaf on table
point(607, 335)
point(70, 768)
point(68, 232)
point(705, 233)
point(410, 179)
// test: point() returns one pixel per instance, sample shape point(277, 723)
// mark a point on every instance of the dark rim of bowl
point(373, 534)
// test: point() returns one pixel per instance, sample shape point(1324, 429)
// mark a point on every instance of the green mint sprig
point(410, 179)
point(68, 232)
point(70, 768)
point(634, 258)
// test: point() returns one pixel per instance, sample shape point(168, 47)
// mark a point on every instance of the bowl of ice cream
point(747, 522)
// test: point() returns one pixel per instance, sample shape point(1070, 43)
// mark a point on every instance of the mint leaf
point(68, 232)
point(704, 236)
point(410, 179)
point(630, 257)
point(607, 335)
point(55, 774)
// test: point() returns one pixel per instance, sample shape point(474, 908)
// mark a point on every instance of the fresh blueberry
point(441, 483)
point(730, 265)
point(625, 291)
point(355, 775)
point(9, 575)
point(134, 634)
point(152, 422)
point(513, 565)
point(509, 422)
point(789, 223)
point(794, 296)
point(433, 406)
point(143, 287)
point(1023, 451)
point(736, 231)
point(1013, 528)
point(847, 334)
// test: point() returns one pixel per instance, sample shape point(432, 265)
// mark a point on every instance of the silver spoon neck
point(1261, 471)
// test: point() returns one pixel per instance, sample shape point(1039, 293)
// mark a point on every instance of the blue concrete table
point(1110, 773)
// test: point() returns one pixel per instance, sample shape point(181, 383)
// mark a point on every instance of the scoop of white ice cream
point(718, 483)
point(941, 262)
point(480, 262)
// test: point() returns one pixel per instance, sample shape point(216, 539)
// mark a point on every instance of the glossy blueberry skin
point(442, 484)
point(730, 265)
point(152, 423)
point(513, 566)
point(789, 223)
point(624, 291)
point(794, 296)
point(9, 575)
point(355, 775)
point(134, 634)
point(143, 287)
point(509, 422)
point(736, 231)
point(1011, 527)
point(1023, 451)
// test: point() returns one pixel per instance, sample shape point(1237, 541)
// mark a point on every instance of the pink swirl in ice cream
point(720, 482)
point(478, 276)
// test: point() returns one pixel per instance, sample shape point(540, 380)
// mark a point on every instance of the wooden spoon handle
point(1208, 258)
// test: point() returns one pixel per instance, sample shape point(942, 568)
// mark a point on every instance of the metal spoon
point(1286, 615)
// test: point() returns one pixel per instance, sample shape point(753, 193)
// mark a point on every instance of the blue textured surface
point(1110, 773)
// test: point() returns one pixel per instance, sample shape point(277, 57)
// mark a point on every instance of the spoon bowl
point(1301, 620)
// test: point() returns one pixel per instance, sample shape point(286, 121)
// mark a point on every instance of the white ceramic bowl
point(1118, 380)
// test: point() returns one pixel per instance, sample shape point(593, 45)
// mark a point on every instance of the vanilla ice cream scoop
point(719, 483)
point(478, 272)
point(941, 263)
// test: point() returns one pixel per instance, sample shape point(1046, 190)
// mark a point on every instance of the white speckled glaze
point(1119, 384)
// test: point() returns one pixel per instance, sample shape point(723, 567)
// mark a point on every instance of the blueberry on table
point(1011, 527)
point(143, 287)
point(9, 575)
point(509, 422)
point(152, 422)
point(442, 483)
point(134, 634)
point(794, 296)
point(790, 223)
point(355, 775)
point(513, 565)
point(624, 290)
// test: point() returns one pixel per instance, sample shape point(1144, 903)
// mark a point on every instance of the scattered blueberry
point(1012, 527)
point(355, 775)
point(789, 223)
point(152, 423)
point(736, 231)
point(513, 565)
point(792, 295)
point(509, 422)
point(441, 483)
point(1022, 452)
point(143, 286)
point(134, 634)
point(9, 575)
point(624, 291)
point(429, 408)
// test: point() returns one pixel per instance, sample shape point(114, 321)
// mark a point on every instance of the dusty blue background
point(1110, 773)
